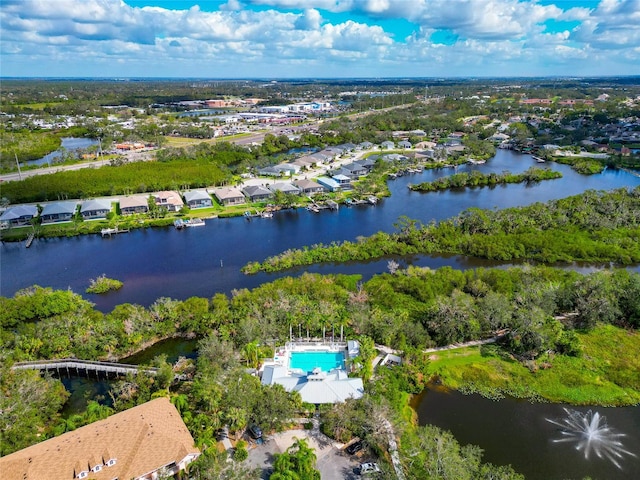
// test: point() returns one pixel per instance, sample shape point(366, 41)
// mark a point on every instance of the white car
point(369, 468)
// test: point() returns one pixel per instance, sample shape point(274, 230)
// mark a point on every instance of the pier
point(332, 205)
point(110, 231)
point(85, 368)
point(30, 240)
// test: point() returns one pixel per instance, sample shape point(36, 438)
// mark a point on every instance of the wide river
point(202, 261)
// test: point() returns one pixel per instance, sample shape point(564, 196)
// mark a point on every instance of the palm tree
point(236, 419)
point(251, 353)
point(181, 402)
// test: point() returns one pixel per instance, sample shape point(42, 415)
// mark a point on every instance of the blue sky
point(319, 38)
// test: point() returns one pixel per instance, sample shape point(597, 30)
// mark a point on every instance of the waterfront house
point(18, 216)
point(257, 193)
point(134, 204)
point(145, 442)
point(343, 180)
point(284, 187)
point(197, 199)
point(58, 212)
point(388, 145)
point(229, 196)
point(309, 187)
point(95, 209)
point(170, 200)
point(329, 183)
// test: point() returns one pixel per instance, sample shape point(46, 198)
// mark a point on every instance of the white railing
point(88, 365)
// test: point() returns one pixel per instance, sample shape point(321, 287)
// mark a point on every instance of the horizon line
point(270, 79)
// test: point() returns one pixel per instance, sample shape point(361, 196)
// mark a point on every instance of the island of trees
point(592, 227)
point(478, 179)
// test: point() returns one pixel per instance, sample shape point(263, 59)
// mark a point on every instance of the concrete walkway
point(386, 350)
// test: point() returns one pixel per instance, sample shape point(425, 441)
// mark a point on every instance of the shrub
point(102, 284)
point(241, 453)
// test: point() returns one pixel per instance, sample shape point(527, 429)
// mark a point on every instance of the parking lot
point(332, 462)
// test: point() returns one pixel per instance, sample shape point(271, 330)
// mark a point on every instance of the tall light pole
point(18, 165)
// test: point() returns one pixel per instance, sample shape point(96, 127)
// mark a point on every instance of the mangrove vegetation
point(591, 227)
point(478, 179)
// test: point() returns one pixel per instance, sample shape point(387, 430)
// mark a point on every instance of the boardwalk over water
point(71, 366)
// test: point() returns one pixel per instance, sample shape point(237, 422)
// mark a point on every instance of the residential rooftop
point(130, 444)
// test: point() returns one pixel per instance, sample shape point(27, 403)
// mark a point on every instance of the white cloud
point(492, 35)
point(309, 21)
point(615, 24)
point(231, 5)
point(328, 5)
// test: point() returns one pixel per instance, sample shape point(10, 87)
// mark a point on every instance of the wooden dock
point(83, 367)
point(30, 239)
point(112, 231)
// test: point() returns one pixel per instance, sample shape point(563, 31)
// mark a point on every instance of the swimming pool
point(307, 361)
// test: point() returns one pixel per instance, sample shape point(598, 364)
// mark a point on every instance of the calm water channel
point(205, 260)
point(520, 433)
point(202, 261)
point(68, 144)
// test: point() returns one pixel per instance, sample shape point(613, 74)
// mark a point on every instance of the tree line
point(591, 227)
point(478, 179)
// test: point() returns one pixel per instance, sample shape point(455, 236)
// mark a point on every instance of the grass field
point(606, 373)
point(184, 141)
point(37, 106)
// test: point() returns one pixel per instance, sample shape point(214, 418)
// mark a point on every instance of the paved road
point(331, 461)
point(131, 157)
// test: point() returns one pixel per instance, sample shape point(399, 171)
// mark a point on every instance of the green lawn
point(606, 373)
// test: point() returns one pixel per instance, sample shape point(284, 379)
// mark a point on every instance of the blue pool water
point(307, 361)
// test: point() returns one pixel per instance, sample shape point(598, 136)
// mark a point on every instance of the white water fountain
point(591, 434)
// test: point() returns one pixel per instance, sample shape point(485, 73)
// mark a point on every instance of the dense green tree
point(297, 463)
point(436, 455)
point(30, 406)
point(595, 299)
point(214, 465)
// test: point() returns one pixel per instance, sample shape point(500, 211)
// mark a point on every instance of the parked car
point(354, 447)
point(369, 468)
point(223, 433)
point(255, 431)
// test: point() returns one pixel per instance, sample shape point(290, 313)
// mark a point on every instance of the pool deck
point(282, 354)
